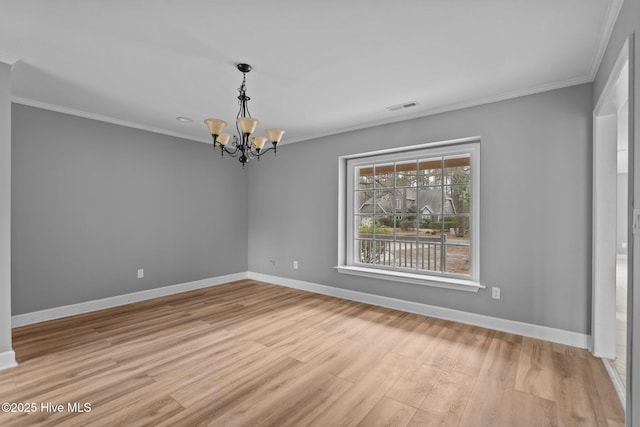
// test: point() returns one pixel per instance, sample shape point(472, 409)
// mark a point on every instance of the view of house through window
point(414, 214)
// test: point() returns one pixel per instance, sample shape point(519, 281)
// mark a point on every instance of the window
point(412, 214)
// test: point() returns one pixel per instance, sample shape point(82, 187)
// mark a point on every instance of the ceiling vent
point(402, 106)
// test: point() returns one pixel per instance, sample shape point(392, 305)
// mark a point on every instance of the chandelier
point(244, 145)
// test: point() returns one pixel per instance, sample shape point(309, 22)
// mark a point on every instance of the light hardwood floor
point(248, 353)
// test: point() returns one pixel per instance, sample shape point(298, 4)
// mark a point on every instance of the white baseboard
point(88, 306)
point(7, 360)
point(616, 380)
point(526, 329)
point(559, 336)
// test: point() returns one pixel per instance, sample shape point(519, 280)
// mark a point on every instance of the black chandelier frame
point(243, 148)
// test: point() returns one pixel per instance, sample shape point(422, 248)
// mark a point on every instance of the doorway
point(611, 246)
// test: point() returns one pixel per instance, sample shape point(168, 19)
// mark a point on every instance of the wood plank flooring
point(249, 354)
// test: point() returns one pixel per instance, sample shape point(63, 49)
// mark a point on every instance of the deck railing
point(427, 253)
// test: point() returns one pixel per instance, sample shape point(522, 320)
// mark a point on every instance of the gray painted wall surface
point(535, 207)
point(93, 202)
point(628, 24)
point(5, 207)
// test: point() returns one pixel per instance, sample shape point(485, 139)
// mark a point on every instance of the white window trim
point(345, 227)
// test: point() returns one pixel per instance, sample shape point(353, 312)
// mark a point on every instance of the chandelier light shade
point(215, 126)
point(274, 134)
point(243, 145)
point(223, 138)
point(258, 142)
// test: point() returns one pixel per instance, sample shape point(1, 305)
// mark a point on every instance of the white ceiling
point(319, 67)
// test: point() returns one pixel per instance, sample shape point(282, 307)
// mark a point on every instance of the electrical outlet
point(495, 293)
point(140, 273)
point(295, 264)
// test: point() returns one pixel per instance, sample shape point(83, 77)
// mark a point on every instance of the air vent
point(402, 106)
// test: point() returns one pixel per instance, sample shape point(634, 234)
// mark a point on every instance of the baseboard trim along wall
point(559, 336)
point(7, 360)
point(616, 380)
point(88, 306)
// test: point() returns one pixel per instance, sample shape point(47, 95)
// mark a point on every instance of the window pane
point(384, 201)
point(383, 227)
point(406, 226)
point(449, 225)
point(458, 246)
point(364, 251)
point(406, 174)
point(457, 169)
point(363, 202)
point(457, 259)
point(429, 200)
point(429, 254)
point(384, 176)
point(430, 226)
point(364, 226)
point(405, 252)
point(383, 252)
point(430, 171)
point(405, 202)
point(445, 224)
point(457, 199)
point(458, 229)
point(364, 178)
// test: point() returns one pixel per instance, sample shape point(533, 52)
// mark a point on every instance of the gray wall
point(535, 207)
point(92, 202)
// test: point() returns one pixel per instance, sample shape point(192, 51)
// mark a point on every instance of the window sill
point(413, 278)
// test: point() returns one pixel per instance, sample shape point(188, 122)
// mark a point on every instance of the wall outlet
point(495, 293)
point(295, 264)
point(140, 273)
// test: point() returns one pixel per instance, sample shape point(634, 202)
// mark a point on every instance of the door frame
point(616, 92)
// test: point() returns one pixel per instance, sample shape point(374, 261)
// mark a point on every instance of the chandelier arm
point(273, 147)
point(262, 152)
point(233, 153)
point(257, 153)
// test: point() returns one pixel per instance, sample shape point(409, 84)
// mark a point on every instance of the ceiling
point(319, 68)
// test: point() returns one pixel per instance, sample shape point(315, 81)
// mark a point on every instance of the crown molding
point(102, 118)
point(605, 35)
point(387, 120)
point(451, 107)
point(8, 59)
